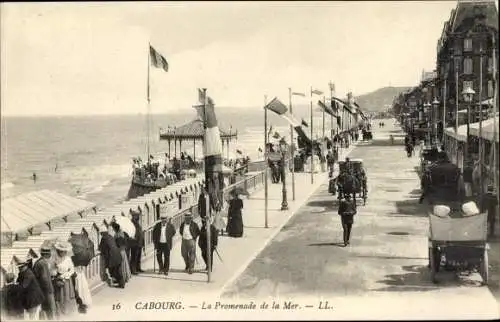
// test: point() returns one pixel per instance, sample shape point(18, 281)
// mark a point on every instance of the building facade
point(465, 59)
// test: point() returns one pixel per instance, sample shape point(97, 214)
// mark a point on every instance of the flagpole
point(324, 101)
point(266, 166)
point(207, 196)
point(149, 104)
point(312, 139)
point(481, 181)
point(493, 167)
point(291, 145)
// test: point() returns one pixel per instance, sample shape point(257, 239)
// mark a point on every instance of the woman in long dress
point(121, 242)
point(235, 220)
point(64, 288)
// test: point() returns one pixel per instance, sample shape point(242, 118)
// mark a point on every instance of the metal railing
point(251, 183)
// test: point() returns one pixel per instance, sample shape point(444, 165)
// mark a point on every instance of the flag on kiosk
point(157, 60)
point(279, 108)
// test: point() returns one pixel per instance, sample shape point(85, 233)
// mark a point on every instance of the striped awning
point(32, 209)
point(488, 129)
point(460, 135)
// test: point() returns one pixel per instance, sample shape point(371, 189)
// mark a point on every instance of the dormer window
point(468, 44)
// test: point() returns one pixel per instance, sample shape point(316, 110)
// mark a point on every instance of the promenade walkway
point(236, 253)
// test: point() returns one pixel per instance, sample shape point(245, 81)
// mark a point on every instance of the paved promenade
point(383, 273)
point(236, 253)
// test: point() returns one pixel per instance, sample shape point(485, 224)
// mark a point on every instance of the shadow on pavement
point(331, 204)
point(389, 257)
point(327, 244)
point(410, 208)
point(386, 142)
point(417, 278)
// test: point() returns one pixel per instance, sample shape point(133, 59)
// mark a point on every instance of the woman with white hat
point(64, 288)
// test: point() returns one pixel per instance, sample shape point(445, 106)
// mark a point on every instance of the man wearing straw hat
point(41, 270)
point(189, 231)
point(163, 232)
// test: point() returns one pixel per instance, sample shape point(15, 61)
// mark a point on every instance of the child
point(12, 305)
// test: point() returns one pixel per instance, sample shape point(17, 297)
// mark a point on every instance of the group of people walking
point(192, 235)
point(48, 286)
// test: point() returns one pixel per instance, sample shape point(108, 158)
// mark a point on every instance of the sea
point(90, 157)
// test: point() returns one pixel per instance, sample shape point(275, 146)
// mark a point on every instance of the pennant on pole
point(298, 94)
point(317, 92)
point(279, 108)
point(157, 60)
point(325, 108)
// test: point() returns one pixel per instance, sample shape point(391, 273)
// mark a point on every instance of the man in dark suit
point(32, 295)
point(202, 242)
point(189, 231)
point(163, 233)
point(136, 245)
point(347, 210)
point(42, 273)
point(12, 294)
point(202, 204)
point(111, 258)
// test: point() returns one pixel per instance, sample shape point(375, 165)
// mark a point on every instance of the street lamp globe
point(468, 94)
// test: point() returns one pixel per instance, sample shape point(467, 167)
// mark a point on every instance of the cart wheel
point(483, 270)
point(432, 264)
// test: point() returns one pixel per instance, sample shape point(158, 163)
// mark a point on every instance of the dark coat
point(32, 293)
point(12, 300)
point(42, 274)
point(193, 229)
point(110, 251)
point(214, 237)
point(202, 205)
point(347, 208)
point(157, 234)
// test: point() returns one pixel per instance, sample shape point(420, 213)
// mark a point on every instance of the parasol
point(83, 249)
point(126, 225)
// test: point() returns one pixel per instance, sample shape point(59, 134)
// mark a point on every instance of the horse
point(347, 183)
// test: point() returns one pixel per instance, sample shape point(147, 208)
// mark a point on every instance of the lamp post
point(283, 150)
point(468, 94)
point(427, 106)
point(435, 106)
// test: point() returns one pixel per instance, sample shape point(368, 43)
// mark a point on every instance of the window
point(490, 88)
point(490, 65)
point(468, 66)
point(467, 44)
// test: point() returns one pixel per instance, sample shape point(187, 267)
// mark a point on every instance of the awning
point(487, 131)
point(461, 134)
point(39, 207)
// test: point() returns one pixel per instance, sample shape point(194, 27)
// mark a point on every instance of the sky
point(92, 58)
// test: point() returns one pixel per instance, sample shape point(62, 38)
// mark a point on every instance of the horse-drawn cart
point(458, 243)
point(351, 180)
